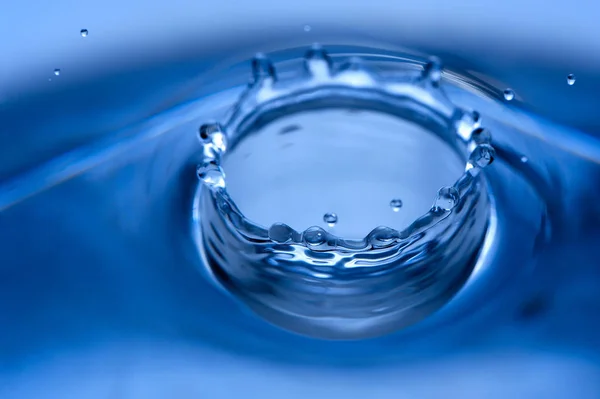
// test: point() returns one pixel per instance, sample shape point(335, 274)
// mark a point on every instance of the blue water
point(103, 293)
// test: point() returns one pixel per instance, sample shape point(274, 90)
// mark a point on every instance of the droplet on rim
point(84, 32)
point(433, 70)
point(317, 61)
point(447, 199)
point(262, 68)
point(509, 94)
point(571, 79)
point(396, 204)
point(330, 218)
point(211, 175)
point(482, 155)
point(315, 236)
point(280, 233)
point(57, 71)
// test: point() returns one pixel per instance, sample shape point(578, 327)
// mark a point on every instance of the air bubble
point(396, 204)
point(280, 233)
point(315, 236)
point(571, 79)
point(57, 71)
point(83, 32)
point(262, 68)
point(307, 28)
point(509, 94)
point(482, 156)
point(330, 218)
point(211, 174)
point(524, 159)
point(447, 198)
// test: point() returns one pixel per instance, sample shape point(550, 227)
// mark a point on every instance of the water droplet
point(307, 28)
point(280, 233)
point(396, 204)
point(447, 199)
point(315, 236)
point(524, 159)
point(262, 68)
point(433, 70)
point(57, 71)
point(84, 32)
point(509, 94)
point(330, 218)
point(482, 156)
point(211, 174)
point(571, 79)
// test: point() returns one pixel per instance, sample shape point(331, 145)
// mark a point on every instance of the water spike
point(432, 71)
point(317, 61)
point(262, 68)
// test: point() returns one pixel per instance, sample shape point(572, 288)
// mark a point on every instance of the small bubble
point(83, 32)
point(524, 159)
point(330, 218)
point(482, 155)
point(57, 71)
point(447, 199)
point(307, 28)
point(571, 79)
point(509, 94)
point(396, 204)
point(315, 236)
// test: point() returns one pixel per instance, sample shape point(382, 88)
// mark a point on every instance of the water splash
point(251, 255)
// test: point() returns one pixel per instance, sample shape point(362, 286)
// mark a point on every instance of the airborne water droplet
point(571, 79)
point(509, 94)
point(447, 199)
point(330, 218)
point(396, 204)
point(84, 32)
point(57, 71)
